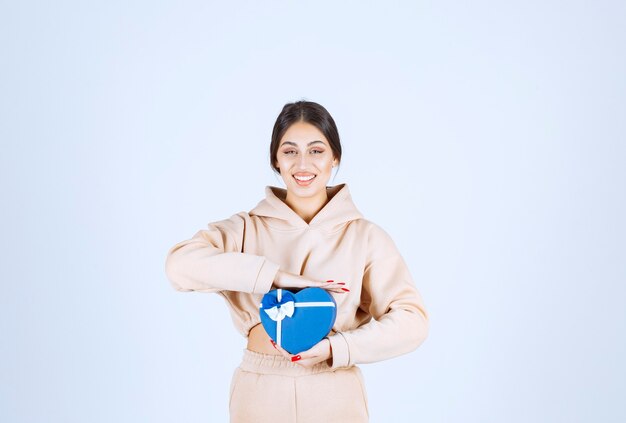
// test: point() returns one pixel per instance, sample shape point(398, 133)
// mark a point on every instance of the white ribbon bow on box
point(280, 311)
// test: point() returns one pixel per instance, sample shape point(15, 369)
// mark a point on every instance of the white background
point(486, 137)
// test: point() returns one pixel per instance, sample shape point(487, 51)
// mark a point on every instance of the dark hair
point(304, 111)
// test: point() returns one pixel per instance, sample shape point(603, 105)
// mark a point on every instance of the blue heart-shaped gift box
point(298, 321)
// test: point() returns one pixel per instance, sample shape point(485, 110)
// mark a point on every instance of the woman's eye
point(289, 152)
point(318, 151)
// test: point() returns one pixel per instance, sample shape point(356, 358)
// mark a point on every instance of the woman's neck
point(307, 207)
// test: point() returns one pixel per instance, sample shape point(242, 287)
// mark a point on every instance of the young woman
point(307, 234)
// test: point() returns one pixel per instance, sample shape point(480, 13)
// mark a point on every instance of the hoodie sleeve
point(212, 261)
point(400, 320)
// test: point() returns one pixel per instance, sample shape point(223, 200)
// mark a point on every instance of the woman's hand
point(289, 280)
point(316, 354)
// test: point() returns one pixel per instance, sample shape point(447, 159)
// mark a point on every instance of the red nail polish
point(296, 358)
point(341, 283)
point(330, 280)
point(273, 343)
point(346, 289)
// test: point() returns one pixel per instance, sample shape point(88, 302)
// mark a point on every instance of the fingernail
point(341, 283)
point(329, 280)
point(296, 358)
point(346, 289)
point(273, 343)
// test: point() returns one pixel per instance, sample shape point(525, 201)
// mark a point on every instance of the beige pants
point(270, 388)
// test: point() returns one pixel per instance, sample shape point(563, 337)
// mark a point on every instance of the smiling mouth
point(304, 181)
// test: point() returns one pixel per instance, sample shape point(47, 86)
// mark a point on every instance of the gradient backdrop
point(486, 137)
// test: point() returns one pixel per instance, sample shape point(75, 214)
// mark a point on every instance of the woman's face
point(305, 160)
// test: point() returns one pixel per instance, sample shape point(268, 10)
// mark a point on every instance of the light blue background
point(486, 137)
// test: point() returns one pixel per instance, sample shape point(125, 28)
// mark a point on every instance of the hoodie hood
point(336, 212)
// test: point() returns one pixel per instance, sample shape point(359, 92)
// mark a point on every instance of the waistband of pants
point(257, 362)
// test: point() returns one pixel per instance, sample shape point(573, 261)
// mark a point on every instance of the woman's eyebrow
point(294, 144)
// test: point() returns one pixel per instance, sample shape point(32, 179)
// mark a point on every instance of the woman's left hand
point(316, 354)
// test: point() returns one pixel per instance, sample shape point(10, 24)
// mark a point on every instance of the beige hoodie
point(383, 315)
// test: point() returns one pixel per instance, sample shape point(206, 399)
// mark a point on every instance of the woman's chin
point(312, 190)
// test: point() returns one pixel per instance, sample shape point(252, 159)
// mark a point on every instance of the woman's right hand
point(285, 280)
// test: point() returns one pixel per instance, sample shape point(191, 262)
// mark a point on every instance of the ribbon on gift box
point(284, 306)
